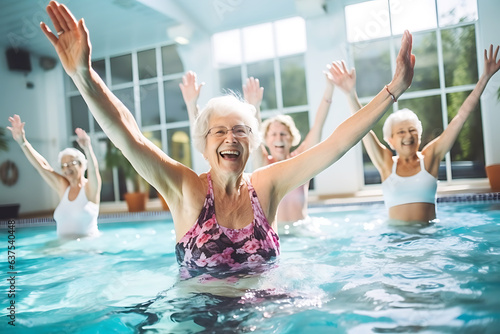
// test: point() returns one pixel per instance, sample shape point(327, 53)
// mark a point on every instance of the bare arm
point(291, 173)
point(438, 148)
point(190, 93)
point(173, 180)
point(93, 186)
point(379, 154)
point(55, 180)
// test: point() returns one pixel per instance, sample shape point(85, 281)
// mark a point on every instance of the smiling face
point(279, 140)
point(228, 153)
point(71, 168)
point(405, 138)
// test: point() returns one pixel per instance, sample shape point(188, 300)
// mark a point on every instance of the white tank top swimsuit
point(77, 217)
point(418, 188)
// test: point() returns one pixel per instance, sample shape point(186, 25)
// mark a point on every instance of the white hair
point(223, 106)
point(398, 117)
point(73, 152)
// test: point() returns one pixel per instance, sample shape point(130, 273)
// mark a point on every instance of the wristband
point(392, 95)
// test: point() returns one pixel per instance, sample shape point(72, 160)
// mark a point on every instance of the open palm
point(72, 43)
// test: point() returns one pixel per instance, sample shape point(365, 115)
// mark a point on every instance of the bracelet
point(392, 95)
point(328, 100)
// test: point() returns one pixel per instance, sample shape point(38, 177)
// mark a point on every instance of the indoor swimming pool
point(352, 273)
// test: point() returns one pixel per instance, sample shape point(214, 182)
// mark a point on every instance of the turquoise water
point(357, 275)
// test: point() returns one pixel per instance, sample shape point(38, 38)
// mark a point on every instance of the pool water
point(358, 275)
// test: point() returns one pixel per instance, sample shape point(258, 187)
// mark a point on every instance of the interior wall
point(40, 108)
point(326, 43)
point(488, 34)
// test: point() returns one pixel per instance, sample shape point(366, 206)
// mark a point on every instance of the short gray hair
point(73, 152)
point(401, 116)
point(223, 106)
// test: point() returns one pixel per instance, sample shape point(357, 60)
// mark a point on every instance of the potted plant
point(137, 192)
point(493, 171)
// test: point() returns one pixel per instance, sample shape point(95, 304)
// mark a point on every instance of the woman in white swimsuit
point(76, 214)
point(409, 179)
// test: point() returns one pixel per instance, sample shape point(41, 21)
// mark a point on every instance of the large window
point(147, 82)
point(446, 70)
point(274, 53)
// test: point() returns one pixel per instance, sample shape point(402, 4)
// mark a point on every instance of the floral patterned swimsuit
point(207, 246)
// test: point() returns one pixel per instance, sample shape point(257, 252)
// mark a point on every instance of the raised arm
point(438, 148)
point(314, 135)
point(172, 179)
point(287, 175)
point(55, 180)
point(93, 186)
point(346, 81)
point(190, 90)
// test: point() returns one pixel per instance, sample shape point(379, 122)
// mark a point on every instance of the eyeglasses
point(239, 131)
point(68, 164)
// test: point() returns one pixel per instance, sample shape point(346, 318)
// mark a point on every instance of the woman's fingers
point(57, 17)
point(46, 30)
point(68, 17)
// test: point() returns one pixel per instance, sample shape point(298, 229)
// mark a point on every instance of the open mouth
point(229, 154)
point(279, 145)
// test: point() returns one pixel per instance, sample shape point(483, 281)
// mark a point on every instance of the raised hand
point(252, 92)
point(491, 65)
point(83, 138)
point(72, 42)
point(405, 63)
point(16, 128)
point(338, 75)
point(190, 88)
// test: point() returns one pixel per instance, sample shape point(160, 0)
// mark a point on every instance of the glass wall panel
point(367, 20)
point(146, 64)
point(258, 42)
point(413, 16)
point(230, 79)
point(264, 71)
point(460, 57)
point(179, 147)
point(171, 61)
point(426, 73)
point(373, 66)
point(121, 69)
point(79, 114)
point(456, 11)
point(175, 108)
point(293, 81)
point(227, 48)
point(467, 154)
point(150, 109)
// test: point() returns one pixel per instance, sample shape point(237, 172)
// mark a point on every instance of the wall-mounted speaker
point(18, 60)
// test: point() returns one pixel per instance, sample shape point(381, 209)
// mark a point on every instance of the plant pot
point(493, 173)
point(136, 202)
point(164, 204)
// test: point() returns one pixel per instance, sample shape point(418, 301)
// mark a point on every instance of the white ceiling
point(122, 25)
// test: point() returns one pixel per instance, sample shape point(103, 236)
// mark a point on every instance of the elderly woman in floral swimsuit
point(223, 218)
